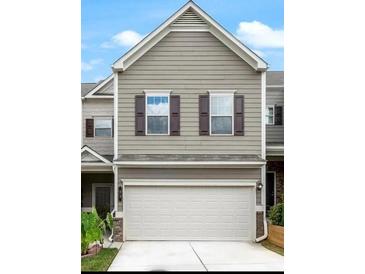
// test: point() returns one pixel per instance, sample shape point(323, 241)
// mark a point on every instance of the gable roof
point(190, 17)
point(103, 89)
point(90, 156)
point(86, 87)
point(275, 78)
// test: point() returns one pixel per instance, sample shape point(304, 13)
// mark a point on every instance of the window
point(270, 115)
point(221, 114)
point(103, 127)
point(158, 109)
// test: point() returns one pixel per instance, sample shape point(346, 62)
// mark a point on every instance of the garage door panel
point(188, 213)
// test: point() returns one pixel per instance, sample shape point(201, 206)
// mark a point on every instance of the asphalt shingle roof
point(189, 157)
point(275, 78)
point(86, 87)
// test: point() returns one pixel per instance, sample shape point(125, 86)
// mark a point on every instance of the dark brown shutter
point(140, 115)
point(112, 127)
point(89, 123)
point(175, 115)
point(238, 115)
point(203, 114)
point(278, 115)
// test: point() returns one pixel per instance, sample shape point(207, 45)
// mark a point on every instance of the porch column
point(115, 170)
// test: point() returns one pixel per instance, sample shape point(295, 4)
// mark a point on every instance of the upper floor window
point(221, 114)
point(157, 112)
point(103, 126)
point(274, 115)
point(270, 115)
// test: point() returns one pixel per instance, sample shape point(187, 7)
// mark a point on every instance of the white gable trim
point(91, 93)
point(97, 155)
point(217, 30)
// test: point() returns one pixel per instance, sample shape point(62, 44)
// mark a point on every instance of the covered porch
point(99, 185)
point(274, 175)
point(97, 190)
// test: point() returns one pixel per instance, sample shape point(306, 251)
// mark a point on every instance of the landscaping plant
point(276, 214)
point(93, 228)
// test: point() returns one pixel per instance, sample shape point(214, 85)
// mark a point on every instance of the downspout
point(112, 234)
point(263, 237)
point(263, 154)
point(115, 205)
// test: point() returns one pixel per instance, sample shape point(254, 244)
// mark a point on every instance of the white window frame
point(103, 118)
point(273, 115)
point(221, 93)
point(157, 93)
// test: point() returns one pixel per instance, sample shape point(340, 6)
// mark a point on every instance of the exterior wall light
point(259, 186)
point(120, 193)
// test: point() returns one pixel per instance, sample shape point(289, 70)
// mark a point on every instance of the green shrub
point(93, 228)
point(276, 214)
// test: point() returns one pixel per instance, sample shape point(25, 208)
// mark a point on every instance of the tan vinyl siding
point(190, 173)
point(90, 109)
point(189, 64)
point(275, 96)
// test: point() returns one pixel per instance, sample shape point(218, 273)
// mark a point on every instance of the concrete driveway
point(195, 256)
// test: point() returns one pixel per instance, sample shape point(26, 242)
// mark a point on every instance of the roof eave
point(91, 93)
point(190, 164)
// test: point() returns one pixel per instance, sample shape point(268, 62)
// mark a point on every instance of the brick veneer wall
point(118, 229)
point(278, 167)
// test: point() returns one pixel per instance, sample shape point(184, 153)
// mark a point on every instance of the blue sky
point(111, 27)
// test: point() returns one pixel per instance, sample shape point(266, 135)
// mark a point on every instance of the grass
point(99, 262)
point(273, 247)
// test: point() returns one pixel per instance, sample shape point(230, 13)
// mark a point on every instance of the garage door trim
point(189, 182)
point(193, 182)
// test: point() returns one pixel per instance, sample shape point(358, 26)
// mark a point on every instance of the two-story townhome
point(178, 141)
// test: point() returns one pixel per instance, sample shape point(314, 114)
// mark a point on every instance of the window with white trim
point(157, 114)
point(103, 126)
point(221, 114)
point(270, 115)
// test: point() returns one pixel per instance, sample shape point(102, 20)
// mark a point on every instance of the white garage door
point(189, 213)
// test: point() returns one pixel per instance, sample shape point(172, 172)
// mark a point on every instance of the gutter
point(196, 164)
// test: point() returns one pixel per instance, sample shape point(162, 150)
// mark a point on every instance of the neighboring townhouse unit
point(174, 140)
point(274, 138)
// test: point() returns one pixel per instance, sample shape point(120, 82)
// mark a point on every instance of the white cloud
point(96, 61)
point(259, 35)
point(87, 66)
point(107, 45)
point(127, 38)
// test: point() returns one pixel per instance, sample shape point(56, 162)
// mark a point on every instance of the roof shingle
point(275, 78)
point(86, 87)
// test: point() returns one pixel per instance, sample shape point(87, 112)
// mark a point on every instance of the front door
point(270, 190)
point(102, 200)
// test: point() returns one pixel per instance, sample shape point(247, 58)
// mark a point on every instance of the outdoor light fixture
point(120, 193)
point(259, 186)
